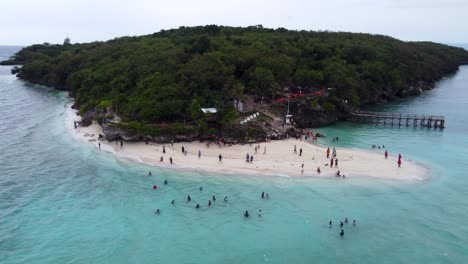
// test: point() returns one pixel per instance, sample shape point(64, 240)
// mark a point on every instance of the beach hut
point(211, 110)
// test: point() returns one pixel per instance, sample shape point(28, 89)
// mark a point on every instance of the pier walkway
point(398, 119)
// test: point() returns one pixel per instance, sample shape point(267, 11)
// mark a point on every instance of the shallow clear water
point(63, 201)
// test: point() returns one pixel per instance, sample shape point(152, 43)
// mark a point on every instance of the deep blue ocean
point(64, 201)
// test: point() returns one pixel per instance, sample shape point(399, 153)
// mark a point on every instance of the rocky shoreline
point(305, 117)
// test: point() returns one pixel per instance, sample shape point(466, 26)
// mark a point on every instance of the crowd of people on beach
point(386, 154)
point(331, 153)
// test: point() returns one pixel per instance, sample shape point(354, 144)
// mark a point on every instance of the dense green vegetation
point(167, 76)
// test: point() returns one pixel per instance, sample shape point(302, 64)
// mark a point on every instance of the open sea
point(64, 201)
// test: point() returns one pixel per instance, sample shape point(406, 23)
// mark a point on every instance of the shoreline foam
point(279, 161)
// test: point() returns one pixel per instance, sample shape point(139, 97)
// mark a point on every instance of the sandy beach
point(279, 160)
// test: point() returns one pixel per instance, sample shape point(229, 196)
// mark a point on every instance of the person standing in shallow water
point(342, 233)
point(246, 214)
point(263, 195)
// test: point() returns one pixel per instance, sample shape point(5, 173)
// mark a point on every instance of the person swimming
point(354, 222)
point(158, 212)
point(201, 188)
point(173, 202)
point(155, 187)
point(165, 181)
point(341, 224)
point(214, 198)
point(342, 233)
point(149, 173)
point(267, 196)
point(225, 198)
point(198, 206)
point(188, 198)
point(330, 223)
point(246, 214)
point(209, 202)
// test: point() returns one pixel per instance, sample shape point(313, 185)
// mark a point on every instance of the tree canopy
point(165, 76)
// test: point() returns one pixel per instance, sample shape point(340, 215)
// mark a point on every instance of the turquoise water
point(63, 201)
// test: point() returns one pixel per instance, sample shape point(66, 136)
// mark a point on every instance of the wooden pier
point(398, 119)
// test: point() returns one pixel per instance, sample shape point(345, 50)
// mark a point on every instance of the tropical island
point(232, 83)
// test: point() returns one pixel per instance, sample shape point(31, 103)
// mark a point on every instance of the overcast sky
point(26, 22)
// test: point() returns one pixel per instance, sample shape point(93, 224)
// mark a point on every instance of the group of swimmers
point(213, 198)
point(341, 225)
